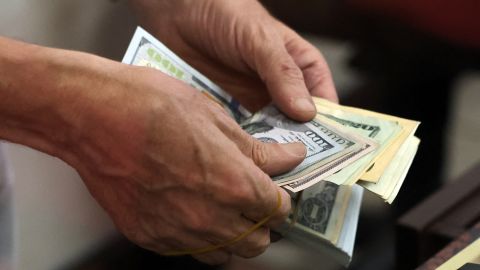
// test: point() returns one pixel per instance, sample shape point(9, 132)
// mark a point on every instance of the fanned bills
point(396, 140)
point(328, 148)
point(378, 165)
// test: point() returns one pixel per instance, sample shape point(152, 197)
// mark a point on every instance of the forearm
point(43, 95)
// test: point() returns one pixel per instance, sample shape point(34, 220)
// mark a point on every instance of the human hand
point(170, 167)
point(173, 170)
point(241, 47)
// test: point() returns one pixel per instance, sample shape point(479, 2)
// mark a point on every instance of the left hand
point(240, 46)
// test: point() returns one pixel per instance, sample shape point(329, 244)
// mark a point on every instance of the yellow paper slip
point(392, 179)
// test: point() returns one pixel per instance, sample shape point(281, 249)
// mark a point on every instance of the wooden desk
point(453, 248)
point(438, 220)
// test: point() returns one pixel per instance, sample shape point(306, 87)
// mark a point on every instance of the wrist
point(44, 95)
point(25, 106)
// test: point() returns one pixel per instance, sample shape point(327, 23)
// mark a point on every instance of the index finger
point(272, 202)
point(316, 73)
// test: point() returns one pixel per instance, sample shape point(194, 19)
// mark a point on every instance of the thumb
point(283, 78)
point(275, 158)
point(271, 158)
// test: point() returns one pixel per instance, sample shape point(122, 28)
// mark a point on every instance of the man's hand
point(240, 46)
point(176, 172)
point(171, 168)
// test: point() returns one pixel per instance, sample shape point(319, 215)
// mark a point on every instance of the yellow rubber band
point(231, 241)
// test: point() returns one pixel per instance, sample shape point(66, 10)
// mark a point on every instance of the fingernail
point(304, 105)
point(296, 149)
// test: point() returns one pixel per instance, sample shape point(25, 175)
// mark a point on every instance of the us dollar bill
point(321, 210)
point(394, 174)
point(382, 131)
point(381, 162)
point(395, 138)
point(328, 148)
point(325, 218)
point(145, 50)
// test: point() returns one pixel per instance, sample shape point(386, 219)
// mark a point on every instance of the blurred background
point(417, 59)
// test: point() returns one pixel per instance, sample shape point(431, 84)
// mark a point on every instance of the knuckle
point(218, 111)
point(250, 186)
point(263, 193)
point(286, 208)
point(260, 153)
point(242, 187)
point(282, 213)
point(290, 71)
point(243, 193)
point(319, 74)
point(264, 184)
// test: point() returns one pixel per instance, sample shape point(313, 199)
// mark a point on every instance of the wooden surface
point(453, 248)
point(438, 220)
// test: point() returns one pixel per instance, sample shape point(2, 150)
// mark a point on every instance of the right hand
point(173, 170)
point(240, 46)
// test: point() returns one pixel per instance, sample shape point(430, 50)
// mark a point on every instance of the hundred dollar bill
point(329, 169)
point(328, 148)
point(380, 130)
point(146, 50)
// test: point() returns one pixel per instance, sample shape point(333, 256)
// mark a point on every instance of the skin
point(241, 47)
point(169, 166)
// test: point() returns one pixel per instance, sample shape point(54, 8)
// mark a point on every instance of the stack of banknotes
point(347, 149)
